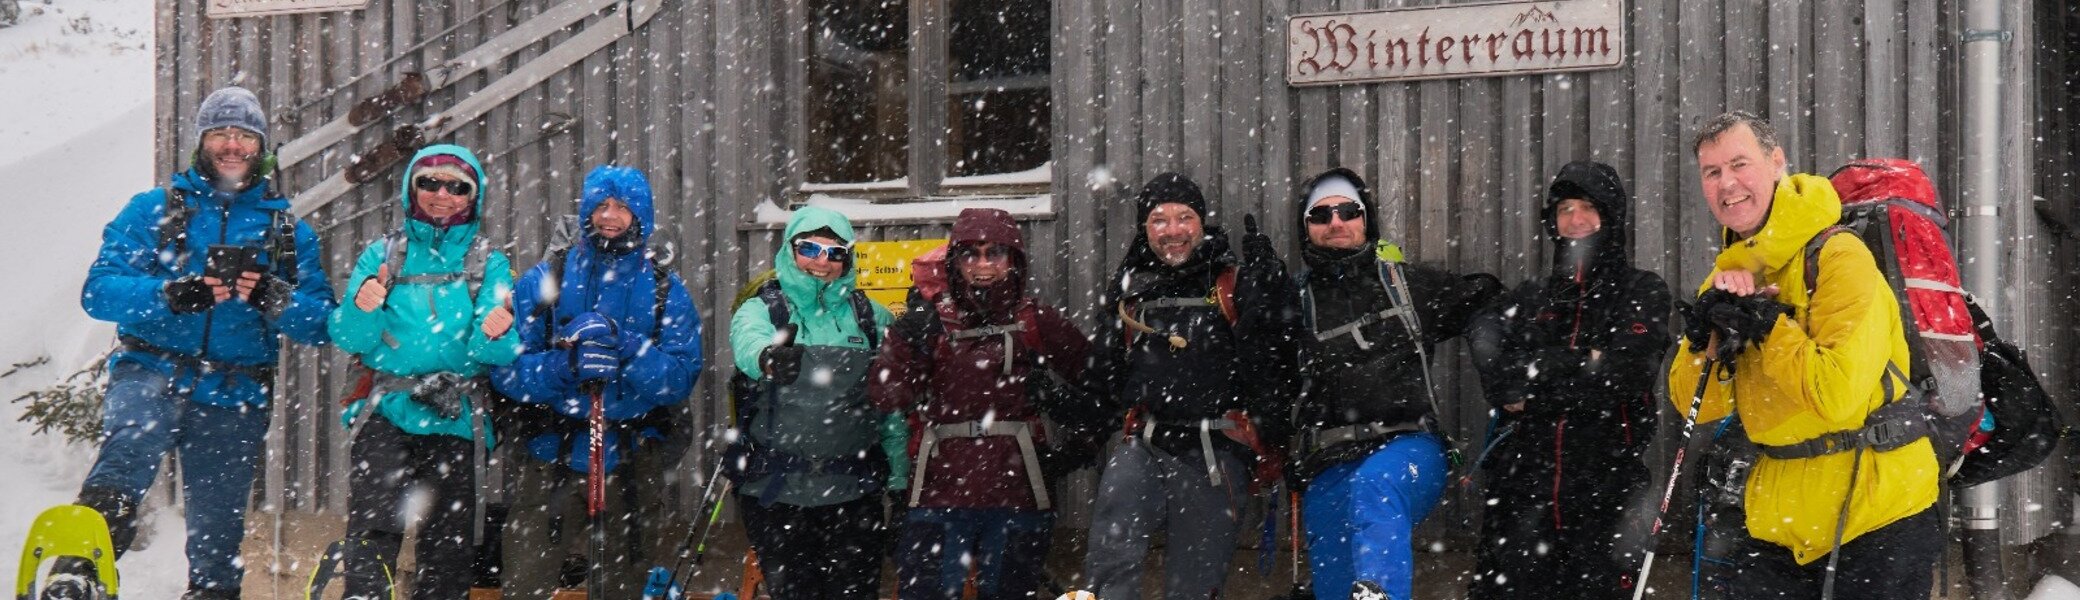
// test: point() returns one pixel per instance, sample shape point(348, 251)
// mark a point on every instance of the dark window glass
point(857, 99)
point(997, 96)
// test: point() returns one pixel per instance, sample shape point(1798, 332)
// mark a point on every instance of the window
point(915, 99)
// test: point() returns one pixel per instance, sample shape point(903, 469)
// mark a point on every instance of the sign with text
point(1467, 40)
point(228, 9)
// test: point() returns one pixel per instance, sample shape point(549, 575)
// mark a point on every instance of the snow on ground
point(75, 144)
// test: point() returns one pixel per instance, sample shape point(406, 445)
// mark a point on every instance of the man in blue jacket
point(602, 314)
point(195, 370)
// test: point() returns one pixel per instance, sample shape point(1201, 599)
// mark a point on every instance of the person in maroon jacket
point(977, 366)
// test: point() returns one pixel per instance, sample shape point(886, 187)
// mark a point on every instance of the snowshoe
point(407, 91)
point(375, 162)
point(67, 556)
point(330, 566)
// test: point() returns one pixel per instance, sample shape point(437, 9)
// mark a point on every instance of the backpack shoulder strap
point(662, 275)
point(776, 303)
point(1812, 254)
point(1224, 292)
point(281, 244)
point(545, 310)
point(474, 263)
point(394, 251)
point(173, 225)
point(863, 311)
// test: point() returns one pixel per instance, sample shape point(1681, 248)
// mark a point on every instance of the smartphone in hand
point(227, 262)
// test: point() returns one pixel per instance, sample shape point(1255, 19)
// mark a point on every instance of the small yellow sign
point(884, 269)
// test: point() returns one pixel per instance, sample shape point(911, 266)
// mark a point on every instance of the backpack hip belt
point(1891, 427)
point(1022, 431)
point(441, 391)
point(759, 460)
point(260, 374)
point(1362, 432)
point(1205, 429)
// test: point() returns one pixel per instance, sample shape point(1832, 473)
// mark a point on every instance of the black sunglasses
point(431, 184)
point(812, 250)
point(1348, 211)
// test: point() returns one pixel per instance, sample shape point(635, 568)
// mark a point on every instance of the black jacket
point(1376, 375)
point(1244, 364)
point(1583, 345)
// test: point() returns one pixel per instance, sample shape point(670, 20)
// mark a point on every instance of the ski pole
point(1675, 472)
point(698, 529)
point(596, 493)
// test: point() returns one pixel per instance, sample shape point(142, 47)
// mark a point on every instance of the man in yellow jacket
point(1841, 483)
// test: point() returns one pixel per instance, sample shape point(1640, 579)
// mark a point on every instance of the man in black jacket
point(1570, 361)
point(1372, 462)
point(1187, 341)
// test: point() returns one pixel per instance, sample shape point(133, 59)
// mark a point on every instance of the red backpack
point(1962, 369)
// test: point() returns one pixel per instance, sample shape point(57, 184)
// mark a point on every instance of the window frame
point(930, 88)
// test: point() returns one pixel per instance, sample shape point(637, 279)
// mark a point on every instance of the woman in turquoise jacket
point(806, 460)
point(426, 312)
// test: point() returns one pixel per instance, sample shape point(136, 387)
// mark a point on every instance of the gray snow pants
point(547, 522)
point(1143, 488)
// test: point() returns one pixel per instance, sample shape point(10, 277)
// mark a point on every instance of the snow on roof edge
point(867, 212)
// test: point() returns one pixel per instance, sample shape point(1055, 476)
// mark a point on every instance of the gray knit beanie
point(231, 107)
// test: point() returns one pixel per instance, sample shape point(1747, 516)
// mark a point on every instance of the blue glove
point(593, 342)
point(589, 327)
point(632, 346)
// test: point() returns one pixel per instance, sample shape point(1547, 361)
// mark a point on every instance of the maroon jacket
point(924, 372)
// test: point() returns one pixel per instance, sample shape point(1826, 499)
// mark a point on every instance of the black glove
point(272, 296)
point(1261, 278)
point(1554, 363)
point(189, 295)
point(1256, 245)
point(782, 361)
point(1746, 320)
point(1697, 325)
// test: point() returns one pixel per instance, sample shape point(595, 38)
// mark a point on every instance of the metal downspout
point(1982, 43)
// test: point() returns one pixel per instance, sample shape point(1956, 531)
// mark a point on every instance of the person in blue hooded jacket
point(195, 369)
point(590, 318)
point(427, 317)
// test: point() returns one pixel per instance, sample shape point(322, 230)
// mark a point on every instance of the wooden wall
point(695, 98)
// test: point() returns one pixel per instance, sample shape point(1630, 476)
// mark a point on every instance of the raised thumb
point(1249, 224)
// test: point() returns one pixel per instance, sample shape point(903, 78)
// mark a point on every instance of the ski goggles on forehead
point(812, 250)
point(1348, 211)
point(435, 184)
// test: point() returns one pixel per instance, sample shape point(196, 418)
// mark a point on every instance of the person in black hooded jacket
point(1187, 346)
point(1570, 362)
point(1371, 461)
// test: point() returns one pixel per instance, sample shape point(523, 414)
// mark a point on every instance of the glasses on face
point(1348, 211)
point(232, 134)
point(812, 250)
point(990, 254)
point(434, 184)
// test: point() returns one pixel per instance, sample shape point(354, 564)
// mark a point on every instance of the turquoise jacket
point(425, 328)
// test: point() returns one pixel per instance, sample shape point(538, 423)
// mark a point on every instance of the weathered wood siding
point(697, 96)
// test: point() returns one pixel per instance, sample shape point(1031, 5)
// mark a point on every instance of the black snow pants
point(1895, 562)
point(388, 465)
point(1557, 523)
point(817, 552)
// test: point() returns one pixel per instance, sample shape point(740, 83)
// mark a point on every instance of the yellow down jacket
point(1820, 370)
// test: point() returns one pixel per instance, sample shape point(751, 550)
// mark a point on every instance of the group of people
point(1210, 373)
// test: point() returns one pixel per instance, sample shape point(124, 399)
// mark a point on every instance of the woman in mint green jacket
point(426, 312)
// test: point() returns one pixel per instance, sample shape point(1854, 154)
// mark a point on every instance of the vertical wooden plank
point(1434, 182)
point(1077, 102)
point(1565, 127)
point(1837, 82)
point(1885, 87)
point(1656, 179)
point(1124, 126)
point(1199, 122)
point(1521, 183)
point(1703, 96)
point(1276, 112)
point(1237, 129)
point(1162, 100)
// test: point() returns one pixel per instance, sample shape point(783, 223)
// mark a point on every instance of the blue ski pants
point(145, 416)
point(1360, 515)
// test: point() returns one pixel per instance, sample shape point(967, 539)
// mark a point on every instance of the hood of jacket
point(1597, 183)
point(627, 184)
point(1802, 206)
point(443, 237)
point(801, 288)
point(995, 226)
